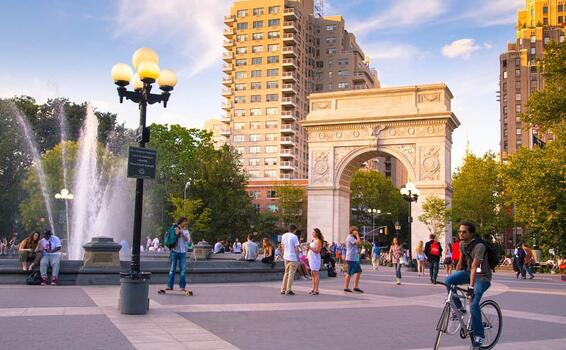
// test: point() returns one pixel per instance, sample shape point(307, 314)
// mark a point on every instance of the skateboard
point(188, 293)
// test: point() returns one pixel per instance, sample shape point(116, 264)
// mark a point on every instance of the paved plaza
point(255, 316)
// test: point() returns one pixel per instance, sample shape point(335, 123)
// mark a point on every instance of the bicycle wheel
point(441, 325)
point(492, 321)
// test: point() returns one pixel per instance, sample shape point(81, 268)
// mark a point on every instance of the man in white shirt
point(250, 249)
point(219, 247)
point(237, 247)
point(154, 245)
point(50, 248)
point(290, 246)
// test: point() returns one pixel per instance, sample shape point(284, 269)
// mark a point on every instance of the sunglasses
point(462, 231)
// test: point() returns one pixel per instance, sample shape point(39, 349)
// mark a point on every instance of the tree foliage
point(435, 215)
point(292, 205)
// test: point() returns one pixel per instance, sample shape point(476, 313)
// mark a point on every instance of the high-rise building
point(277, 52)
point(540, 22)
point(219, 131)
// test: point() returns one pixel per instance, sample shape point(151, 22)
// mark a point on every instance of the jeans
point(398, 270)
point(521, 268)
point(175, 257)
point(480, 286)
point(433, 267)
point(50, 259)
point(527, 269)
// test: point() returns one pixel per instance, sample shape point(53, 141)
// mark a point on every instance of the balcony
point(227, 81)
point(288, 89)
point(227, 68)
point(289, 77)
point(226, 105)
point(287, 141)
point(286, 165)
point(288, 116)
point(288, 102)
point(359, 77)
point(290, 51)
point(228, 56)
point(226, 92)
point(287, 153)
point(225, 132)
point(229, 19)
point(226, 119)
point(289, 39)
point(290, 14)
point(288, 129)
point(228, 43)
point(290, 27)
point(289, 63)
point(228, 32)
point(360, 87)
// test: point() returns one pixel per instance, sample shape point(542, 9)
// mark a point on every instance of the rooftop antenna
point(319, 8)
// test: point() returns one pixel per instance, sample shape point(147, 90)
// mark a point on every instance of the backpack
point(435, 248)
point(492, 254)
point(34, 278)
point(170, 238)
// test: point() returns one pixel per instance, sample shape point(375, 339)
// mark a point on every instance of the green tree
point(292, 205)
point(478, 194)
point(265, 223)
point(435, 215)
point(199, 217)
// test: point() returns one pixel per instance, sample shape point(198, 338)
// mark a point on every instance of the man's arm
point(475, 263)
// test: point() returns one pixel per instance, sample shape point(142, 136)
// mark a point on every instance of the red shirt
point(456, 251)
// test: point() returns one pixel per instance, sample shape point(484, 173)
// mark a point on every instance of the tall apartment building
point(540, 22)
point(277, 52)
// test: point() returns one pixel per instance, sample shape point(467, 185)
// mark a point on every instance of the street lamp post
point(186, 188)
point(373, 212)
point(411, 194)
point(397, 228)
point(146, 61)
point(65, 195)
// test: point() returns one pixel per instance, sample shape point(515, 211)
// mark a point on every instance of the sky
point(66, 48)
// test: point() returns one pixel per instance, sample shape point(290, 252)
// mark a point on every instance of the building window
point(239, 126)
point(254, 194)
point(273, 10)
point(272, 85)
point(545, 21)
point(272, 111)
point(272, 59)
point(241, 50)
point(517, 72)
point(241, 38)
point(505, 75)
point(257, 48)
point(256, 60)
point(255, 85)
point(242, 26)
point(331, 51)
point(256, 74)
point(255, 99)
point(545, 10)
point(240, 113)
point(273, 22)
point(272, 97)
point(518, 131)
point(270, 161)
point(240, 87)
point(330, 74)
point(560, 8)
point(258, 11)
point(257, 36)
point(258, 24)
point(331, 27)
point(319, 64)
point(255, 137)
point(273, 72)
point(273, 47)
point(240, 99)
point(343, 62)
point(560, 19)
point(518, 85)
point(240, 150)
point(255, 125)
point(253, 174)
point(242, 13)
point(342, 85)
point(270, 137)
point(273, 35)
point(241, 62)
point(517, 97)
point(518, 108)
point(240, 75)
point(343, 73)
point(271, 194)
point(271, 149)
point(270, 174)
point(272, 124)
point(331, 40)
point(254, 149)
point(255, 112)
point(239, 138)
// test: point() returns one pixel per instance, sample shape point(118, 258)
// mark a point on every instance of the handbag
point(404, 260)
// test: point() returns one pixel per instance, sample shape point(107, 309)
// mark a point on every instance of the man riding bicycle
point(472, 268)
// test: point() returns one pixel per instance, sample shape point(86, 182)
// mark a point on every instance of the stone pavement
point(255, 316)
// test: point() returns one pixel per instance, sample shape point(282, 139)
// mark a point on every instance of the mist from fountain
point(63, 128)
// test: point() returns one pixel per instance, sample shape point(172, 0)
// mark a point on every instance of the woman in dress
point(421, 258)
point(448, 259)
point(313, 256)
point(395, 253)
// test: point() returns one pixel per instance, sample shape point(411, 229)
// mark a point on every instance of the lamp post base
point(134, 293)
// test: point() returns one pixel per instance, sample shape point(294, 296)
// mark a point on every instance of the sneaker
point(531, 277)
point(358, 290)
point(54, 281)
point(348, 290)
point(43, 281)
point(290, 292)
point(477, 343)
point(283, 292)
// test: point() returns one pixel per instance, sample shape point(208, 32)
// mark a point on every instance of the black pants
point(434, 265)
point(268, 259)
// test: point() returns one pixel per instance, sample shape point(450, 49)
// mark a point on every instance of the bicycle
point(453, 319)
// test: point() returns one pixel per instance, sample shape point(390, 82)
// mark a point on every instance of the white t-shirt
point(237, 247)
point(155, 243)
point(53, 242)
point(217, 247)
point(290, 243)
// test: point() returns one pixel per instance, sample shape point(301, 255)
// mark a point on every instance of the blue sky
point(66, 48)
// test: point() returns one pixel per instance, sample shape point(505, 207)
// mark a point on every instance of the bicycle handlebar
point(453, 286)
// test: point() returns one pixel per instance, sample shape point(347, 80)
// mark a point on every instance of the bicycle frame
point(465, 327)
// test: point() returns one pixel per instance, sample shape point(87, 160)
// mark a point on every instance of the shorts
point(354, 267)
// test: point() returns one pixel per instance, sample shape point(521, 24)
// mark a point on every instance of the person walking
point(268, 252)
point(473, 268)
point(375, 254)
point(315, 247)
point(395, 254)
point(50, 249)
point(448, 259)
point(353, 261)
point(433, 252)
point(421, 258)
point(290, 246)
point(27, 251)
point(529, 261)
point(178, 253)
point(520, 261)
point(455, 251)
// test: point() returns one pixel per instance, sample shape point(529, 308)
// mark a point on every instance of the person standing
point(448, 259)
point(375, 254)
point(421, 258)
point(395, 254)
point(315, 247)
point(178, 254)
point(27, 250)
point(50, 248)
point(473, 268)
point(290, 246)
point(455, 251)
point(520, 260)
point(237, 247)
point(529, 261)
point(433, 252)
point(250, 249)
point(353, 261)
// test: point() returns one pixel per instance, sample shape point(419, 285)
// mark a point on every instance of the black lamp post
point(397, 228)
point(146, 62)
point(411, 194)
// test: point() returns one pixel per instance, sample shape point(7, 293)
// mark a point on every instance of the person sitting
point(219, 247)
point(237, 247)
point(50, 248)
point(278, 255)
point(250, 249)
point(268, 252)
point(27, 251)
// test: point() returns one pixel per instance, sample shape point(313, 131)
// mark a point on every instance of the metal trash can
point(134, 293)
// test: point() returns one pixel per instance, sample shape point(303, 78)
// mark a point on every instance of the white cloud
point(495, 12)
point(460, 48)
point(403, 13)
point(390, 51)
point(193, 26)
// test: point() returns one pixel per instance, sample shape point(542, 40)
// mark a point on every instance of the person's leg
point(357, 280)
point(172, 268)
point(347, 278)
point(431, 270)
point(285, 276)
point(436, 268)
point(36, 260)
point(43, 267)
point(398, 272)
point(457, 278)
point(480, 286)
point(24, 260)
point(292, 270)
point(55, 265)
point(182, 270)
point(529, 270)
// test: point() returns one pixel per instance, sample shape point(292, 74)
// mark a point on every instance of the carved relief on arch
point(340, 153)
point(322, 105)
point(320, 167)
point(429, 98)
point(410, 151)
point(429, 163)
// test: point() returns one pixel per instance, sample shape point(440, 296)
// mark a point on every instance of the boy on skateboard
point(177, 239)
